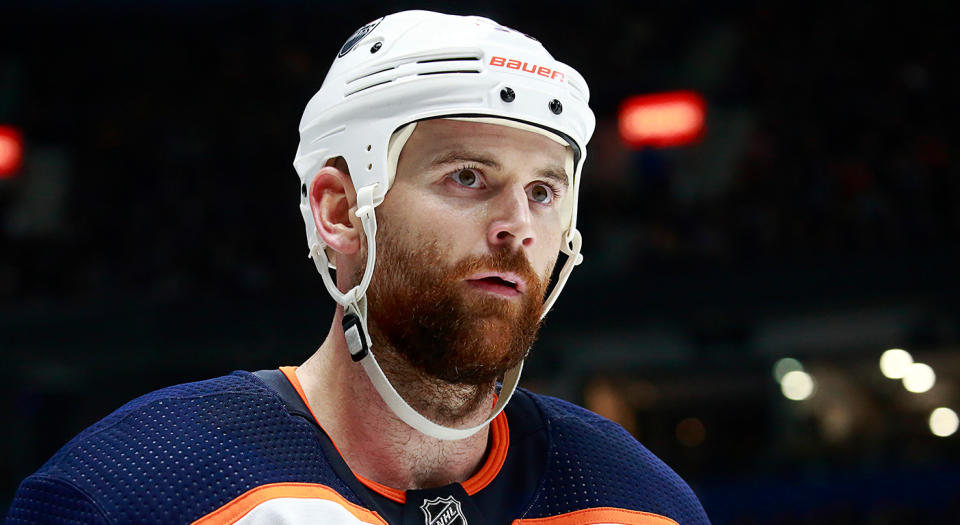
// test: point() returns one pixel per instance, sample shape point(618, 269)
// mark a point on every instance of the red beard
point(427, 313)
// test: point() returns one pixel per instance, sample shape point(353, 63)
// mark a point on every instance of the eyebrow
point(558, 175)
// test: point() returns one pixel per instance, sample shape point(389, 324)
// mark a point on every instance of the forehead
point(435, 137)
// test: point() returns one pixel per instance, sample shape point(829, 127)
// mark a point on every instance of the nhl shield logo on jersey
point(442, 511)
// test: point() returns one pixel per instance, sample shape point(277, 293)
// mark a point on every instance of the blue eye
point(466, 177)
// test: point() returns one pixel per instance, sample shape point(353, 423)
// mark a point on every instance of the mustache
point(504, 261)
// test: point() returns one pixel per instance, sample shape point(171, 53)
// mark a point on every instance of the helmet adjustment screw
point(303, 190)
point(376, 47)
point(556, 107)
point(507, 94)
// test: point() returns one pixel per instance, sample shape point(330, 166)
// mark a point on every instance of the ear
point(332, 202)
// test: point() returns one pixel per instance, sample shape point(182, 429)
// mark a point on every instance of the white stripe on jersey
point(300, 511)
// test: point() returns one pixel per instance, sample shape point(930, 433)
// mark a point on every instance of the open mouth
point(497, 283)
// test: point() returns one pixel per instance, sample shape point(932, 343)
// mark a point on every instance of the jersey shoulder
point(595, 463)
point(175, 454)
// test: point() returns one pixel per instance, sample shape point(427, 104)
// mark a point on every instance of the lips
point(507, 284)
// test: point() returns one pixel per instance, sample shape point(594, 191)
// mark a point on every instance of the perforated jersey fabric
point(594, 462)
point(191, 451)
point(174, 455)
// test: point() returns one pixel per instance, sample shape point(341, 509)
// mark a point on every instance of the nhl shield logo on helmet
point(442, 511)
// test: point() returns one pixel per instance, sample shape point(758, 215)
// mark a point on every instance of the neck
point(372, 440)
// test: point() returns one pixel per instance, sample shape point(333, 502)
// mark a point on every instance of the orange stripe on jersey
point(291, 373)
point(499, 444)
point(601, 515)
point(244, 503)
point(397, 495)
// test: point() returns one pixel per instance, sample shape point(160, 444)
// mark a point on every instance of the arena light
point(662, 120)
point(919, 378)
point(943, 422)
point(797, 385)
point(11, 151)
point(784, 366)
point(895, 362)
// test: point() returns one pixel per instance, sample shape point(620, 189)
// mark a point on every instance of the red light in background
point(11, 151)
point(662, 120)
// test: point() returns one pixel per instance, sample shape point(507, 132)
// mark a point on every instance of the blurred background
point(740, 285)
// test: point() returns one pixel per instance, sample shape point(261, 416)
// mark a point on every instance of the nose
point(511, 225)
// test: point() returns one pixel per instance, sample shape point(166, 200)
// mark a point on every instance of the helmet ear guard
point(393, 73)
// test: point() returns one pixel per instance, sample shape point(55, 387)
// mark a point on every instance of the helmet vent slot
point(451, 59)
point(368, 86)
point(457, 64)
point(445, 72)
point(361, 77)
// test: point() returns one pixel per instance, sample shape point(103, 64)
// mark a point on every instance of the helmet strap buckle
point(356, 338)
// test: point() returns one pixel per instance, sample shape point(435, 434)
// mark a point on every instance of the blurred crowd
point(846, 150)
point(178, 149)
point(159, 144)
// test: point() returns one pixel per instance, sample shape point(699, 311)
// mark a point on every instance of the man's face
point(468, 236)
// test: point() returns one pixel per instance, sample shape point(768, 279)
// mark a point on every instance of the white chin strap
point(355, 330)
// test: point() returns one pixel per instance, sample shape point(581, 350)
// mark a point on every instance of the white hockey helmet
point(417, 65)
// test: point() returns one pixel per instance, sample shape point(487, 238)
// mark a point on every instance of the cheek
point(544, 256)
point(425, 217)
point(458, 221)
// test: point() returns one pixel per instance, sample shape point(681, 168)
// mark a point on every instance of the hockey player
point(439, 168)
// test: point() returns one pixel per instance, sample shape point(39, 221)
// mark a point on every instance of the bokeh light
point(919, 378)
point(797, 385)
point(784, 366)
point(11, 151)
point(943, 422)
point(662, 119)
point(895, 362)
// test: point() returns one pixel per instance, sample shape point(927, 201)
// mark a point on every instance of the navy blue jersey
point(244, 448)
